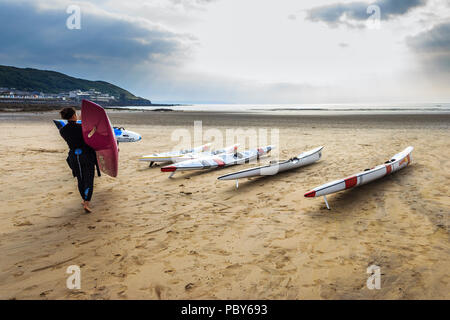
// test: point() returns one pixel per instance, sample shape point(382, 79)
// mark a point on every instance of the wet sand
point(195, 237)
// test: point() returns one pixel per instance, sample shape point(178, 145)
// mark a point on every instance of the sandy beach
point(195, 237)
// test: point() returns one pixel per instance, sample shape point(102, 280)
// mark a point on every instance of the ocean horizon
point(306, 108)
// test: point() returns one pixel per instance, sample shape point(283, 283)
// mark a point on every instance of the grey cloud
point(193, 4)
point(433, 48)
point(105, 47)
point(436, 39)
point(357, 11)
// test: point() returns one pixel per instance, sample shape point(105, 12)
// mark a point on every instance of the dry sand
point(195, 237)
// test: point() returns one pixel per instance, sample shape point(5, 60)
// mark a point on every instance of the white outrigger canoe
point(397, 162)
point(275, 167)
point(192, 156)
point(218, 161)
point(171, 156)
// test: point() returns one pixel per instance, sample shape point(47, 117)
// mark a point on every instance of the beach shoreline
point(214, 118)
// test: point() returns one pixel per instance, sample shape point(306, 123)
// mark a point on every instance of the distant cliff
point(28, 79)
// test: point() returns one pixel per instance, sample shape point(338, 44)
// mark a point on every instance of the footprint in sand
point(138, 260)
point(45, 293)
point(159, 291)
point(23, 223)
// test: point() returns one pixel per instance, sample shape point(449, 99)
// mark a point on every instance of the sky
point(240, 51)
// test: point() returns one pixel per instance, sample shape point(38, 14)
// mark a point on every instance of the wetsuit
point(81, 159)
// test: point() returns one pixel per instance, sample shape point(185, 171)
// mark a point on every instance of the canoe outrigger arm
point(237, 183)
point(326, 202)
point(171, 174)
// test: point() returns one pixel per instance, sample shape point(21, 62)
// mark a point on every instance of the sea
point(382, 108)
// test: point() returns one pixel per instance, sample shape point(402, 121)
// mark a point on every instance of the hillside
point(28, 79)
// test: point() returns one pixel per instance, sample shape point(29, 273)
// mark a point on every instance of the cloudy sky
point(241, 51)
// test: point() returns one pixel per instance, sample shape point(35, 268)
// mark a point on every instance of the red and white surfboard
point(397, 162)
point(99, 135)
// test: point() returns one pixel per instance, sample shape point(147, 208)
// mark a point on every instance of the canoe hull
point(172, 156)
point(301, 160)
point(218, 161)
point(397, 162)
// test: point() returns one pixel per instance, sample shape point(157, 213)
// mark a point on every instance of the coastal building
point(91, 94)
point(75, 95)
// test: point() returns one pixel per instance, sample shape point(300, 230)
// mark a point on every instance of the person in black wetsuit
point(82, 158)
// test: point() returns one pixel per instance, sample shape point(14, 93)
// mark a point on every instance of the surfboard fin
point(171, 174)
point(237, 183)
point(91, 133)
point(326, 202)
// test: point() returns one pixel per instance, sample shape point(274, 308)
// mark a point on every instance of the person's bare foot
point(86, 207)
